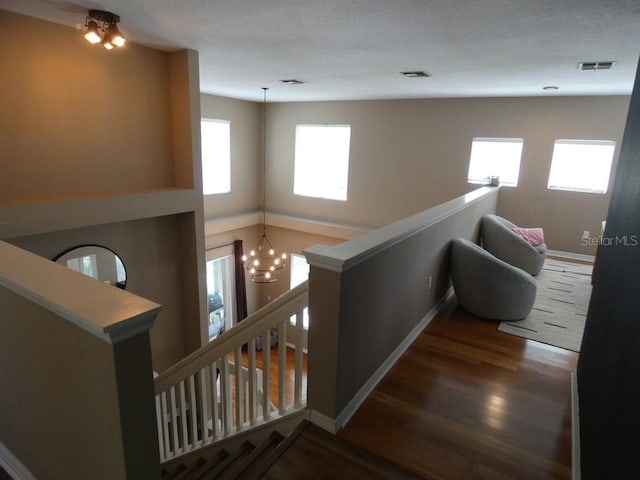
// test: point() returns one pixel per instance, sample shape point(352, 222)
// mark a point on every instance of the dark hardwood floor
point(468, 402)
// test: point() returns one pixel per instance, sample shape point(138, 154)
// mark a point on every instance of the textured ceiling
point(355, 49)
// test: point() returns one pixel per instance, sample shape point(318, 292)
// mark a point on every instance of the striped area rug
point(560, 309)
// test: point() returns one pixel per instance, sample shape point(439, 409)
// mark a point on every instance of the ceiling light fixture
point(101, 28)
point(264, 263)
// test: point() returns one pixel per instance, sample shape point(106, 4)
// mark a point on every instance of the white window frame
point(216, 158)
point(482, 163)
point(294, 281)
point(229, 297)
point(321, 166)
point(590, 170)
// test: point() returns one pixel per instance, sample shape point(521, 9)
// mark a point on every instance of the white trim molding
point(571, 255)
point(318, 227)
point(322, 421)
point(13, 466)
point(214, 226)
point(333, 425)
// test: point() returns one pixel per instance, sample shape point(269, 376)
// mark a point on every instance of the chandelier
point(263, 263)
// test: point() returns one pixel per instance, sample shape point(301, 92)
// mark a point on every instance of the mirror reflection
point(97, 262)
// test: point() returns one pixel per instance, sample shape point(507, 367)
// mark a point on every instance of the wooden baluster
point(282, 364)
point(159, 420)
point(266, 374)
point(297, 394)
point(225, 385)
point(165, 425)
point(183, 418)
point(193, 412)
point(174, 419)
point(214, 401)
point(239, 389)
point(204, 401)
point(253, 388)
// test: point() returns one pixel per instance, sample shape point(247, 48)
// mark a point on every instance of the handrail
point(286, 304)
point(210, 395)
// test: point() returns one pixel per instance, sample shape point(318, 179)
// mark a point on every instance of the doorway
point(220, 292)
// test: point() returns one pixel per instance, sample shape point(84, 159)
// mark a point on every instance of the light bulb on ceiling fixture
point(117, 38)
point(92, 34)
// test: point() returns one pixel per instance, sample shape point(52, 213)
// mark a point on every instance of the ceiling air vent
point(416, 74)
point(293, 81)
point(592, 66)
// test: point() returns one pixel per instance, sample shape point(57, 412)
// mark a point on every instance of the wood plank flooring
point(289, 380)
point(468, 402)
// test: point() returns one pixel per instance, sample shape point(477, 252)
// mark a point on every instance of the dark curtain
point(241, 289)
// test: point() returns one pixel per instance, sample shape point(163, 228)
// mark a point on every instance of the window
point(581, 165)
point(299, 273)
point(322, 161)
point(499, 157)
point(216, 156)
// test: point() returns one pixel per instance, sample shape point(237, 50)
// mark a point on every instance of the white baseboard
point(13, 466)
point(571, 255)
point(214, 226)
point(322, 421)
point(575, 429)
point(333, 425)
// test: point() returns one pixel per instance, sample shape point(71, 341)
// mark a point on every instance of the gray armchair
point(488, 287)
point(499, 238)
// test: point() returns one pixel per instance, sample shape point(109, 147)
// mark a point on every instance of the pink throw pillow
point(535, 236)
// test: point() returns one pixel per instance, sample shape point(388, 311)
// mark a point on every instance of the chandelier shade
point(263, 263)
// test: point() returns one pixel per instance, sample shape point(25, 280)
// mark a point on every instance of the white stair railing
point(210, 395)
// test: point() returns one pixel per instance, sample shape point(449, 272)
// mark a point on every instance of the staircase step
point(260, 468)
point(317, 454)
point(171, 475)
point(242, 468)
point(185, 472)
point(205, 466)
point(244, 450)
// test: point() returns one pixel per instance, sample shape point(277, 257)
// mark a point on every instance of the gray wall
point(608, 378)
point(360, 316)
point(69, 399)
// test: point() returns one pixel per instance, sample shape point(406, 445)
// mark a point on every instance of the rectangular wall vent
point(606, 65)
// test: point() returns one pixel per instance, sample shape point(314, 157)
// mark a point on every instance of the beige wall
point(289, 241)
point(408, 155)
point(246, 155)
point(284, 241)
point(81, 126)
point(77, 119)
point(152, 253)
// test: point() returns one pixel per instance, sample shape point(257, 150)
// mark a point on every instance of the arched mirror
point(97, 262)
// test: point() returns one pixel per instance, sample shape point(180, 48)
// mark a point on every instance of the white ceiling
point(355, 49)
